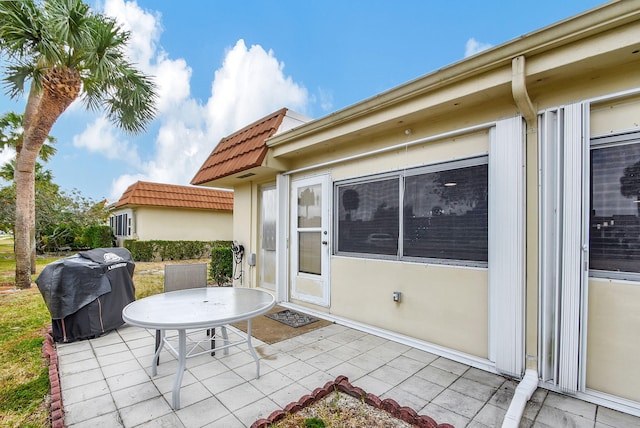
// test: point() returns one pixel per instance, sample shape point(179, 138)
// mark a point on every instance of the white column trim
point(282, 238)
point(507, 245)
point(572, 248)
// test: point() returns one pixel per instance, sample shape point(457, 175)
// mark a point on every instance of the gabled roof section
point(170, 195)
point(246, 148)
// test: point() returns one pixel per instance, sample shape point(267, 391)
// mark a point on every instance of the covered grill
point(85, 293)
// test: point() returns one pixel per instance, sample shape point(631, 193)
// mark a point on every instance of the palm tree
point(11, 136)
point(64, 51)
point(11, 133)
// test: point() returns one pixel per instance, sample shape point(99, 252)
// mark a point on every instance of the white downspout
point(529, 383)
point(523, 393)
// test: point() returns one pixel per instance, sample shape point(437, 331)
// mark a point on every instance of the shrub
point(221, 268)
point(141, 251)
point(97, 237)
point(149, 251)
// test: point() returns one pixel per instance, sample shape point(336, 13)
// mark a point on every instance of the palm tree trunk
point(41, 113)
point(27, 119)
point(24, 228)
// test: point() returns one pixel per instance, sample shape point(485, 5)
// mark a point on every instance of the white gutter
point(529, 383)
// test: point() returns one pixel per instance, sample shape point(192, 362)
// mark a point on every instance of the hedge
point(155, 251)
point(97, 237)
point(221, 268)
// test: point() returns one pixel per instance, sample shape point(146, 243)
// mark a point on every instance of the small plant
point(335, 399)
point(314, 423)
point(221, 268)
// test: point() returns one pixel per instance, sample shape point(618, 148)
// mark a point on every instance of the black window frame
point(121, 224)
point(401, 175)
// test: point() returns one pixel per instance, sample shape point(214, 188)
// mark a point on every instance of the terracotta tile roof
point(242, 150)
point(171, 195)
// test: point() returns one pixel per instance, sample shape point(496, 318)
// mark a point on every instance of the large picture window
point(440, 212)
point(614, 232)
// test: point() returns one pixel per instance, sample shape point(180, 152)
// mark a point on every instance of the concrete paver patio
point(106, 382)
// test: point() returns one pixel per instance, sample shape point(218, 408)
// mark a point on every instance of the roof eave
point(598, 19)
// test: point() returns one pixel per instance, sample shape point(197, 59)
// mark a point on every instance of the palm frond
point(21, 27)
point(132, 106)
point(16, 77)
point(104, 52)
point(68, 23)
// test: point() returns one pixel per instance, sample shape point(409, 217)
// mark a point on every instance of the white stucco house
point(154, 211)
point(488, 212)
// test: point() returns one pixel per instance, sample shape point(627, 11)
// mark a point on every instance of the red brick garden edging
point(49, 353)
point(342, 384)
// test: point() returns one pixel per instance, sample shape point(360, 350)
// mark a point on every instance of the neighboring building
point(153, 211)
point(487, 212)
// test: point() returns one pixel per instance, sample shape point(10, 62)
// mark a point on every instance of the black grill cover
point(86, 293)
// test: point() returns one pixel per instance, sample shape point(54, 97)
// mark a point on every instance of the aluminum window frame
point(615, 140)
point(458, 163)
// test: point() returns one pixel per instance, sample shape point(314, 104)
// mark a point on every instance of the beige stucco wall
point(245, 226)
point(613, 311)
point(613, 347)
point(443, 305)
point(417, 155)
point(181, 224)
point(614, 117)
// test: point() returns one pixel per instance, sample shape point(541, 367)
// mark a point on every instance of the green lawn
point(24, 318)
point(24, 378)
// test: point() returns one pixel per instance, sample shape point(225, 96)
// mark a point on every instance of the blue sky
point(221, 65)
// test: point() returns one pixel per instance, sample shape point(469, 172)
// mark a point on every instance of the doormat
point(292, 318)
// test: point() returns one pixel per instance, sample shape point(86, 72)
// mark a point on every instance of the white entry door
point(310, 240)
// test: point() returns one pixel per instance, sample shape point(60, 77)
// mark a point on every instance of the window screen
point(614, 232)
point(445, 214)
point(440, 212)
point(368, 217)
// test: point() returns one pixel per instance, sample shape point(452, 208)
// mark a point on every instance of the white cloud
point(249, 84)
point(171, 76)
point(6, 155)
point(473, 47)
point(326, 99)
point(120, 184)
point(100, 137)
point(144, 28)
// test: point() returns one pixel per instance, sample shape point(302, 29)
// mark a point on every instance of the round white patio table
point(197, 308)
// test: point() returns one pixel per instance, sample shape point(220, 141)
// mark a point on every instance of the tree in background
point(630, 183)
point(63, 51)
point(62, 218)
point(11, 135)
